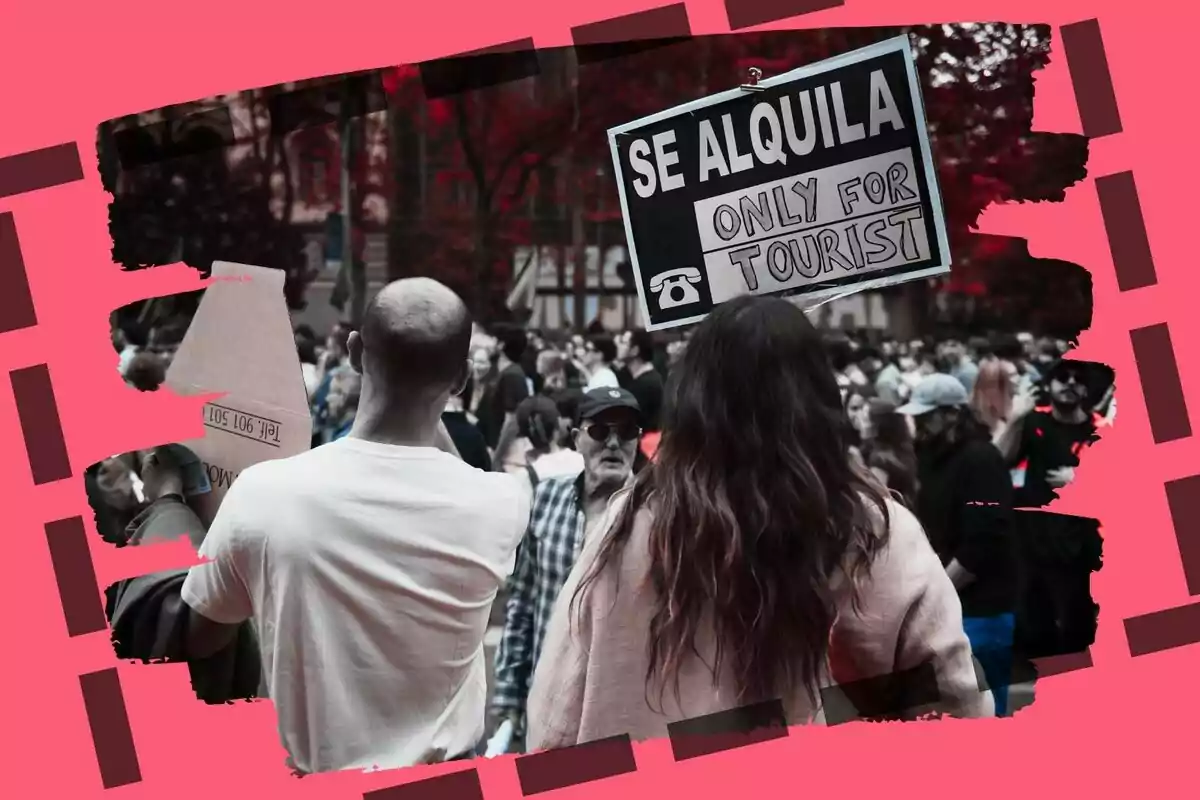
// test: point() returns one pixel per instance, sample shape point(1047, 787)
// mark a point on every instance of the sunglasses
point(600, 431)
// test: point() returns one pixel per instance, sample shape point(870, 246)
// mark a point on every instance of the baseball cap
point(1064, 368)
point(934, 391)
point(605, 398)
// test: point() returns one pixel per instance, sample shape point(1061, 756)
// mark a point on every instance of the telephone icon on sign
point(675, 287)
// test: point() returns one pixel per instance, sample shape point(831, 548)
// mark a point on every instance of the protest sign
point(819, 183)
point(241, 345)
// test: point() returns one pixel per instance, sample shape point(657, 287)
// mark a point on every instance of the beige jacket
point(590, 680)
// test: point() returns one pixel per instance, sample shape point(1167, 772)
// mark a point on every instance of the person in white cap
point(964, 502)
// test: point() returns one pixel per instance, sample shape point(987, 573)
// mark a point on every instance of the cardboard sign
point(820, 184)
point(241, 344)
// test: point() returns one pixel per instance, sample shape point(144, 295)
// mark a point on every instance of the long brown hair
point(755, 504)
point(992, 395)
point(892, 450)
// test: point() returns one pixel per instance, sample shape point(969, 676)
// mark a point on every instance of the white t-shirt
point(603, 379)
point(312, 379)
point(369, 572)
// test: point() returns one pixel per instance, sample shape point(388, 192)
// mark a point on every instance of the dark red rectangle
point(1159, 372)
point(36, 408)
point(1183, 499)
point(16, 300)
point(479, 69)
point(1163, 630)
point(1058, 665)
point(891, 696)
point(747, 13)
point(1127, 238)
point(628, 35)
point(461, 785)
point(1094, 93)
point(111, 734)
point(727, 730)
point(40, 169)
point(568, 766)
point(665, 22)
point(75, 574)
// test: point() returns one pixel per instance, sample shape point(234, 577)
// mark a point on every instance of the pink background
point(1111, 728)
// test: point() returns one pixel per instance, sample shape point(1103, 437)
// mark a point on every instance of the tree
point(978, 96)
point(184, 191)
point(469, 178)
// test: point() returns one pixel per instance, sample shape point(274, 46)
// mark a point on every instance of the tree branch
point(555, 134)
point(474, 164)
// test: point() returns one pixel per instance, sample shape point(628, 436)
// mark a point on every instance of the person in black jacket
point(466, 437)
point(965, 502)
point(148, 617)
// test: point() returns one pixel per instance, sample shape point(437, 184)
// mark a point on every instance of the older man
point(563, 508)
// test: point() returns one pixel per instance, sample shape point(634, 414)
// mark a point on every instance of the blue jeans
point(992, 643)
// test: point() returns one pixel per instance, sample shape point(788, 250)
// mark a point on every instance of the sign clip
point(755, 73)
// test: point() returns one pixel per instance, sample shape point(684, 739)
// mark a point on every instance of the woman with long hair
point(992, 395)
point(483, 378)
point(750, 561)
point(541, 454)
point(856, 403)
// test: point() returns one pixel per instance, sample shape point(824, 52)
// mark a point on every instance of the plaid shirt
point(544, 560)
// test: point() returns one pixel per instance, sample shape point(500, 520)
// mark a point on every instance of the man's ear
point(464, 377)
point(354, 349)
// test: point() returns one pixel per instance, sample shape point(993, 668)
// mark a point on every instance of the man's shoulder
point(513, 372)
point(488, 488)
point(556, 486)
point(651, 377)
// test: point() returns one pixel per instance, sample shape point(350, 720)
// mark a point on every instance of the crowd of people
point(667, 527)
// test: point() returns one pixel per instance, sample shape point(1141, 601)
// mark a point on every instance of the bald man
point(369, 565)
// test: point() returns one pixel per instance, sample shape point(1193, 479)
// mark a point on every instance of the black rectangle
point(570, 766)
point(513, 61)
point(726, 730)
point(112, 738)
point(1163, 630)
point(865, 227)
point(885, 697)
point(37, 409)
point(1183, 499)
point(1166, 403)
point(1126, 228)
point(16, 300)
point(462, 785)
point(1091, 79)
point(76, 576)
point(40, 169)
point(624, 36)
point(347, 96)
point(202, 133)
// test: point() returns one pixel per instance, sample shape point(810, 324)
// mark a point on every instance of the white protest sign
point(241, 345)
point(819, 185)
